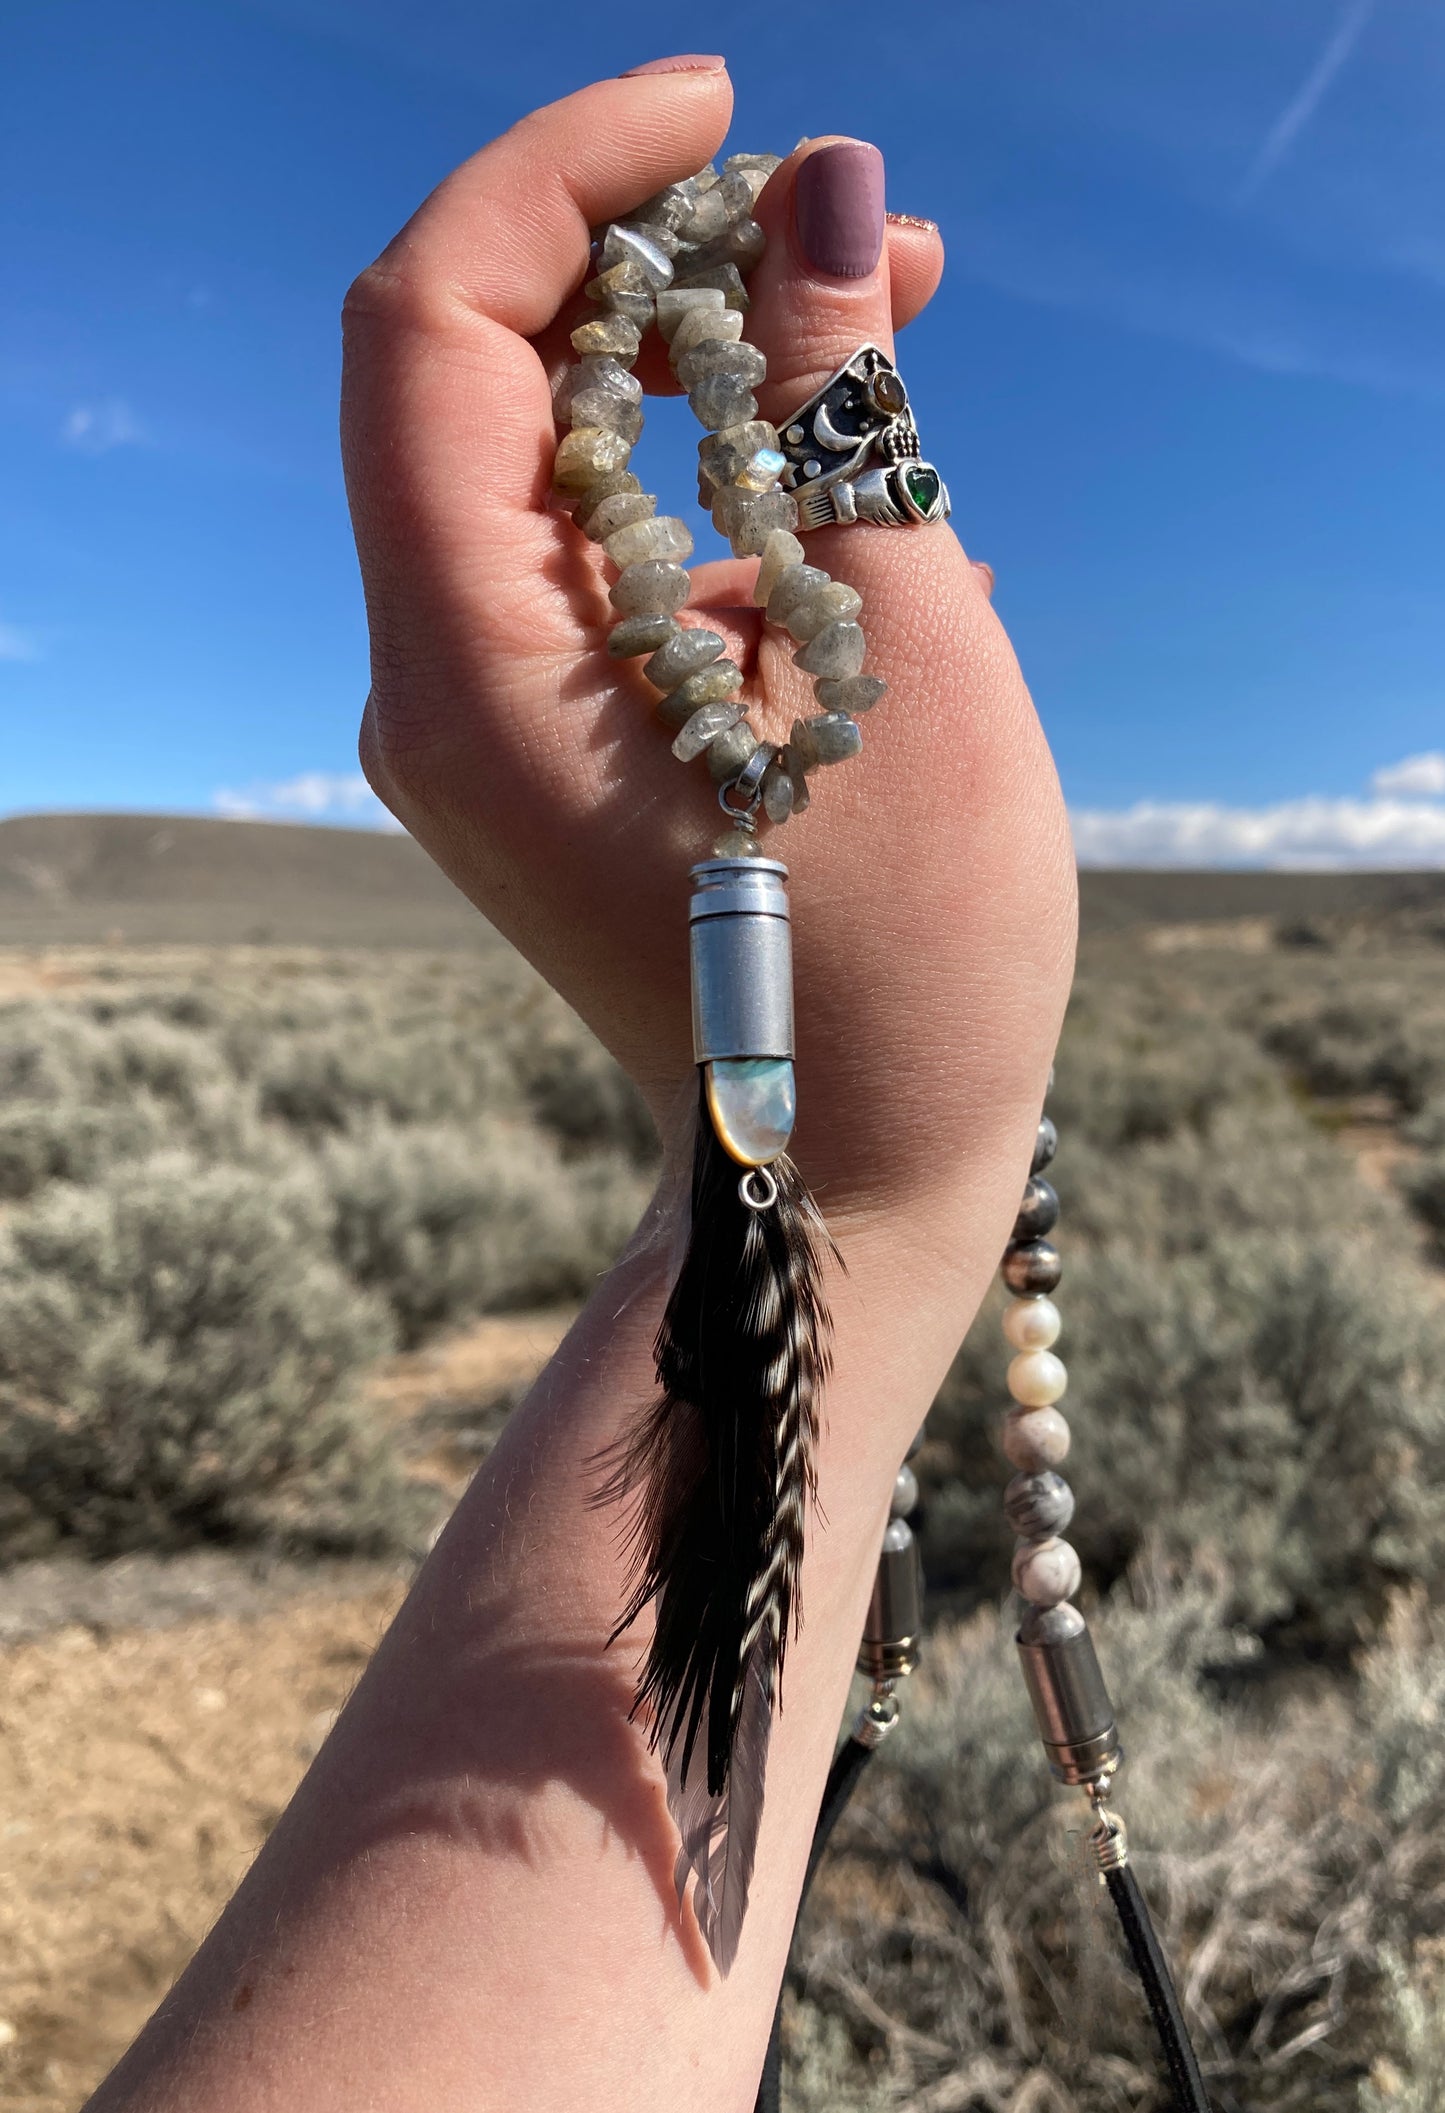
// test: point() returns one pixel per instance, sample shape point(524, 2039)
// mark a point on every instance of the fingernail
point(838, 209)
point(685, 62)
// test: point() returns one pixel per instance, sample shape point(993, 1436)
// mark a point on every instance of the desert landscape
point(302, 1174)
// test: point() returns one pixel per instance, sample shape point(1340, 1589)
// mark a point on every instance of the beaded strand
point(1038, 1502)
point(679, 261)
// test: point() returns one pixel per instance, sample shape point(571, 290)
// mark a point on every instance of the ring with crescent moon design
point(852, 451)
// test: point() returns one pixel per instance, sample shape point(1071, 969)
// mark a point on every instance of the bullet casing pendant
point(741, 946)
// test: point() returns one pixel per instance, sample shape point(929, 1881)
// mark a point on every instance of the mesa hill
point(156, 879)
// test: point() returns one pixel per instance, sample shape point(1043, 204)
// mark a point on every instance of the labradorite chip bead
point(781, 550)
point(628, 245)
point(588, 453)
point(605, 488)
point(652, 586)
point(777, 793)
point(717, 400)
point(664, 536)
point(682, 656)
point(1045, 1145)
point(1038, 1505)
point(608, 333)
point(831, 738)
point(834, 603)
point(794, 584)
point(710, 685)
point(704, 726)
point(837, 650)
point(741, 364)
point(639, 634)
point(618, 512)
point(747, 518)
point(698, 324)
point(723, 456)
point(1039, 1211)
point(731, 751)
point(849, 693)
point(673, 305)
point(1031, 1267)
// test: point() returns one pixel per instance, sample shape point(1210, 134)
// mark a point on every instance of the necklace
point(719, 1474)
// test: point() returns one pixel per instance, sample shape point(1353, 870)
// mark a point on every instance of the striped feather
point(720, 1477)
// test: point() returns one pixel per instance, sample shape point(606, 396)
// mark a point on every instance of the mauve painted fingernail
point(685, 62)
point(838, 207)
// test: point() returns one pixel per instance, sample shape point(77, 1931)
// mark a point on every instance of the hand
point(931, 878)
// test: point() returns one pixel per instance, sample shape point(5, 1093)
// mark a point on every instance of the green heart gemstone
point(922, 484)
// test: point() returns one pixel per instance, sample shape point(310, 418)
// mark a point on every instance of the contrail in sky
point(1312, 91)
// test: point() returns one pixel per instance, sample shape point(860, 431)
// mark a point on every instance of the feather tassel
point(720, 1474)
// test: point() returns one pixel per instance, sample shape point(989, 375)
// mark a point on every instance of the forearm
point(470, 1901)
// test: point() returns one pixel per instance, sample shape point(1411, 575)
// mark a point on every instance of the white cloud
point(1284, 133)
point(96, 428)
point(1419, 777)
point(16, 644)
point(314, 796)
point(1402, 824)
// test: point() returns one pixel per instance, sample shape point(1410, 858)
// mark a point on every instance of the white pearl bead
point(1034, 1439)
point(1032, 1324)
point(1037, 1378)
point(1046, 1572)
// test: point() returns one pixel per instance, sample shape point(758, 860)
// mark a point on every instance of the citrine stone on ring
point(852, 451)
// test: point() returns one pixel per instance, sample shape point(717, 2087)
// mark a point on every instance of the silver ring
point(852, 452)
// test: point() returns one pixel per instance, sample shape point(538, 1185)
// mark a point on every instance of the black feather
point(720, 1473)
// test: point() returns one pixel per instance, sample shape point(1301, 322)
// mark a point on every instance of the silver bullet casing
point(1066, 1687)
point(742, 1003)
point(742, 960)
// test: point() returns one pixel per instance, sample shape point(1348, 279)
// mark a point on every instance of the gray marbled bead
point(704, 726)
point(639, 634)
point(1038, 1505)
point(652, 585)
point(1039, 1211)
point(668, 208)
point(720, 679)
point(837, 650)
point(731, 750)
point(792, 764)
point(597, 407)
point(682, 656)
point(1046, 1143)
point(673, 305)
point(1032, 1268)
point(611, 514)
point(794, 583)
point(717, 401)
point(1052, 1624)
point(742, 364)
point(831, 738)
point(850, 693)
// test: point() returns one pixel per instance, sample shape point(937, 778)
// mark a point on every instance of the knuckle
point(390, 299)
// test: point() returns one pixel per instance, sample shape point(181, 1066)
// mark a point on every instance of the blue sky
point(1186, 376)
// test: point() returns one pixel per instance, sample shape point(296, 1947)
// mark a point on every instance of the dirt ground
point(155, 1718)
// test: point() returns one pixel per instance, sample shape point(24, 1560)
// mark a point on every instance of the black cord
point(1150, 1964)
point(1153, 1971)
point(849, 1763)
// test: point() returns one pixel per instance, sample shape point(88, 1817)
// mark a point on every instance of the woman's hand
point(931, 878)
point(469, 1903)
